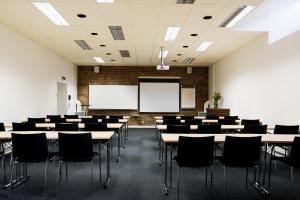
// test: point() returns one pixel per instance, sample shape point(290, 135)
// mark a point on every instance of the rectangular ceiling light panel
point(117, 32)
point(203, 46)
point(49, 11)
point(236, 16)
point(172, 33)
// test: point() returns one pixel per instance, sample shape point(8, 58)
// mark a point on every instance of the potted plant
point(216, 97)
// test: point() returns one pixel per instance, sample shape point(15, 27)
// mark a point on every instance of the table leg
point(166, 170)
point(108, 177)
point(100, 163)
point(119, 145)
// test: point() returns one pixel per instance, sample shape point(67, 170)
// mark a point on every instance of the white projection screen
point(188, 98)
point(157, 95)
point(113, 97)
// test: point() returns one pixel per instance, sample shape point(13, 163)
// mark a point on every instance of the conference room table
point(179, 117)
point(206, 121)
point(117, 127)
point(100, 136)
point(107, 116)
point(169, 139)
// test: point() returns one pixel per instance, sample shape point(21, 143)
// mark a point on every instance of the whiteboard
point(159, 97)
point(188, 98)
point(114, 97)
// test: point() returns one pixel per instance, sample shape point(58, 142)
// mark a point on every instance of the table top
point(265, 138)
point(195, 127)
point(80, 125)
point(99, 120)
point(159, 121)
point(107, 117)
point(96, 135)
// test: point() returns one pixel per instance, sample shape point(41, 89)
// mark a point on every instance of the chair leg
point(45, 173)
point(212, 177)
point(59, 172)
point(66, 172)
point(11, 174)
point(205, 177)
point(178, 182)
point(92, 170)
point(292, 174)
point(225, 189)
point(247, 177)
point(270, 166)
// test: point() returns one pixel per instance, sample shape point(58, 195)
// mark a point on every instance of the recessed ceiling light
point(172, 33)
point(102, 45)
point(207, 17)
point(185, 46)
point(179, 54)
point(48, 10)
point(81, 15)
point(108, 54)
point(194, 34)
point(203, 46)
point(99, 59)
point(94, 33)
point(164, 54)
point(174, 60)
point(105, 1)
point(112, 60)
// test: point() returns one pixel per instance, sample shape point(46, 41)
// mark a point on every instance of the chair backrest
point(77, 147)
point(2, 127)
point(110, 120)
point(187, 117)
point(178, 129)
point(66, 127)
point(53, 116)
point(99, 116)
point(227, 121)
point(250, 122)
point(212, 128)
point(71, 116)
point(57, 120)
point(193, 121)
point(211, 117)
point(168, 117)
point(95, 127)
point(29, 147)
point(282, 129)
point(195, 151)
point(172, 121)
point(241, 151)
point(89, 120)
point(115, 117)
point(231, 117)
point(258, 129)
point(295, 153)
point(26, 126)
point(36, 120)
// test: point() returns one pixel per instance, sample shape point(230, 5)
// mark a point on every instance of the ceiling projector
point(162, 67)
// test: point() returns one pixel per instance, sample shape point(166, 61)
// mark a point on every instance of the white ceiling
point(144, 23)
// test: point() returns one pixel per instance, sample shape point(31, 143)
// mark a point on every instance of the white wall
point(262, 80)
point(28, 78)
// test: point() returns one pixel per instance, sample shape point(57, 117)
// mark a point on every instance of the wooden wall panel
point(129, 76)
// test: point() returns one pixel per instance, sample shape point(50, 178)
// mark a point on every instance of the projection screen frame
point(160, 80)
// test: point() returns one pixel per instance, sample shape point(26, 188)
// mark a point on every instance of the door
point(62, 98)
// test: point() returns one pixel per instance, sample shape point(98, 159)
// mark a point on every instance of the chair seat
point(238, 163)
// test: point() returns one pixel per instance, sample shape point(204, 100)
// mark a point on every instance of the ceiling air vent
point(188, 60)
point(117, 32)
point(83, 44)
point(233, 16)
point(125, 53)
point(185, 1)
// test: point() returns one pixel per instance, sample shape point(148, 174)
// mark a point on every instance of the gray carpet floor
point(138, 176)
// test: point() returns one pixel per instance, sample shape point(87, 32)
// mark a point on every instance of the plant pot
point(216, 104)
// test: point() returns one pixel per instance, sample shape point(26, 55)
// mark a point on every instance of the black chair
point(187, 117)
point(110, 121)
point(2, 127)
point(195, 152)
point(26, 126)
point(171, 121)
point(211, 117)
point(95, 127)
point(71, 116)
point(168, 117)
point(53, 116)
point(250, 122)
point(36, 120)
point(29, 148)
point(57, 120)
point(74, 148)
point(89, 120)
point(99, 116)
point(256, 129)
point(231, 117)
point(227, 122)
point(66, 127)
point(241, 152)
point(193, 121)
point(178, 129)
point(213, 129)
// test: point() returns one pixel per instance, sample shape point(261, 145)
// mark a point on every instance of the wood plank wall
point(111, 75)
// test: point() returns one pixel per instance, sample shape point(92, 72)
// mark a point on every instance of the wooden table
point(53, 135)
point(79, 120)
point(172, 138)
point(195, 127)
point(208, 121)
